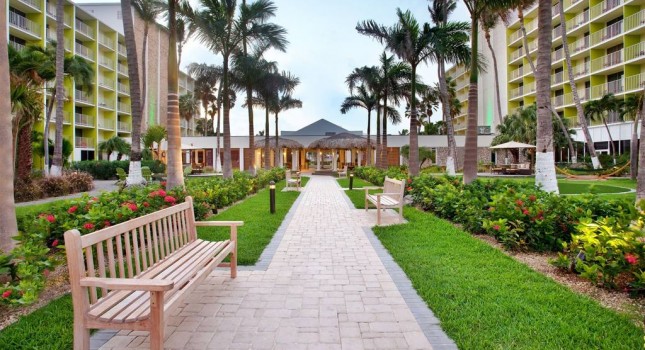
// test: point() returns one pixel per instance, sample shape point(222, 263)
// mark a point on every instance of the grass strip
point(487, 300)
point(259, 225)
point(358, 183)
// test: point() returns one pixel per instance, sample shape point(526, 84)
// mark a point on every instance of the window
point(87, 155)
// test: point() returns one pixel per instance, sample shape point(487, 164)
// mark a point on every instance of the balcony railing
point(84, 52)
point(124, 107)
point(581, 69)
point(569, 3)
point(124, 127)
point(106, 41)
point(104, 103)
point(84, 28)
point(557, 101)
point(17, 46)
point(32, 3)
point(607, 33)
point(122, 49)
point(556, 32)
point(528, 26)
point(106, 124)
point(123, 69)
point(604, 7)
point(635, 51)
point(517, 73)
point(106, 62)
point(517, 92)
point(124, 88)
point(106, 82)
point(613, 87)
point(634, 21)
point(51, 9)
point(517, 54)
point(84, 142)
point(24, 23)
point(607, 61)
point(82, 96)
point(579, 45)
point(67, 119)
point(558, 77)
point(557, 55)
point(81, 119)
point(577, 21)
point(635, 82)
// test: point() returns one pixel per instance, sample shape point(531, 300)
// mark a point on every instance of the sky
point(324, 47)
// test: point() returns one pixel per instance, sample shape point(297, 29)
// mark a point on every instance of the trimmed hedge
point(106, 170)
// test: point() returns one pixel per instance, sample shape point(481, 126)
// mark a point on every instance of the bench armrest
point(219, 223)
point(128, 284)
point(387, 194)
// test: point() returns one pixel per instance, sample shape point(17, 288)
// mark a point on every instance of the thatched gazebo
point(352, 144)
point(284, 146)
point(282, 143)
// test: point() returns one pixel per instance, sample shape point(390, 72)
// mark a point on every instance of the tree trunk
point(633, 155)
point(377, 151)
point(173, 159)
point(24, 152)
point(227, 166)
point(277, 147)
point(447, 118)
point(8, 223)
point(249, 105)
point(384, 162)
point(414, 135)
point(144, 68)
point(368, 161)
point(500, 117)
point(50, 107)
point(137, 94)
point(611, 140)
point(640, 178)
point(267, 151)
point(470, 147)
point(545, 159)
point(57, 162)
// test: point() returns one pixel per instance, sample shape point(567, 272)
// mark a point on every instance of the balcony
point(569, 3)
point(124, 108)
point(124, 127)
point(106, 62)
point(635, 51)
point(607, 33)
point(517, 73)
point(556, 32)
point(557, 101)
point(83, 97)
point(122, 50)
point(81, 119)
point(106, 41)
point(106, 124)
point(105, 103)
point(517, 54)
point(634, 21)
point(607, 61)
point(613, 87)
point(635, 82)
point(31, 3)
point(84, 29)
point(581, 69)
point(558, 77)
point(84, 52)
point(604, 7)
point(84, 142)
point(557, 55)
point(24, 24)
point(17, 46)
point(579, 45)
point(106, 83)
point(124, 88)
point(123, 69)
point(578, 21)
point(67, 119)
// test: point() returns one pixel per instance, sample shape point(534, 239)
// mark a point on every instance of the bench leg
point(81, 336)
point(234, 252)
point(156, 321)
point(378, 212)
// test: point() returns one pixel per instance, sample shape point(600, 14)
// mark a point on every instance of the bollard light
point(351, 181)
point(272, 197)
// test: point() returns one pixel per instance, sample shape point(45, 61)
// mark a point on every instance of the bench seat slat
point(385, 200)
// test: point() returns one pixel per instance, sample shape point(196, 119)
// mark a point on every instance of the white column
point(334, 160)
point(318, 156)
point(242, 159)
point(360, 158)
point(294, 160)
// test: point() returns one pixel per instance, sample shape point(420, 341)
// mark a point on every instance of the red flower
point(170, 199)
point(496, 227)
point(161, 193)
point(46, 273)
point(532, 198)
point(631, 259)
point(163, 183)
point(519, 202)
point(88, 226)
point(146, 204)
point(409, 181)
point(409, 188)
point(51, 218)
point(55, 243)
point(106, 223)
point(525, 212)
point(73, 209)
point(6, 294)
point(152, 194)
point(131, 206)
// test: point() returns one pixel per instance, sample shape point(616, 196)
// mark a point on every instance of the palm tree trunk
point(640, 178)
point(414, 135)
point(277, 146)
point(175, 169)
point(24, 152)
point(144, 65)
point(611, 140)
point(377, 151)
point(267, 151)
point(249, 97)
point(57, 162)
point(50, 107)
point(227, 166)
point(545, 159)
point(135, 177)
point(470, 147)
point(368, 161)
point(499, 101)
point(383, 154)
point(633, 155)
point(447, 118)
point(8, 223)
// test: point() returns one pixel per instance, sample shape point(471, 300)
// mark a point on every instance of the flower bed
point(28, 264)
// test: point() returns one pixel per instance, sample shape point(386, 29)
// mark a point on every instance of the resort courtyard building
point(321, 147)
point(95, 32)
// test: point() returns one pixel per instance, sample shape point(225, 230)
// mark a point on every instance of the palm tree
point(284, 103)
point(582, 121)
point(410, 42)
point(8, 223)
point(596, 110)
point(57, 163)
point(206, 80)
point(428, 104)
point(26, 108)
point(188, 106)
point(363, 98)
point(544, 158)
point(450, 46)
point(640, 178)
point(369, 76)
point(114, 144)
point(148, 11)
point(489, 21)
point(631, 109)
point(154, 134)
point(223, 33)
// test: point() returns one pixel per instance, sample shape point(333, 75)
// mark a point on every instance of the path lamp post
point(351, 181)
point(272, 196)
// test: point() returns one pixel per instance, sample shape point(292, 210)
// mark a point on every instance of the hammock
point(600, 176)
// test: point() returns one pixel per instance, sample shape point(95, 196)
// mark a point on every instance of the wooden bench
point(392, 197)
point(292, 181)
point(134, 274)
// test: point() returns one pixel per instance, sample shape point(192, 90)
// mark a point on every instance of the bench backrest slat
point(393, 186)
point(130, 248)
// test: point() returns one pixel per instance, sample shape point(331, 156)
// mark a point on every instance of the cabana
point(515, 168)
point(354, 147)
point(285, 147)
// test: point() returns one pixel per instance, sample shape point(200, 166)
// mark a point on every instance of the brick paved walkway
point(325, 288)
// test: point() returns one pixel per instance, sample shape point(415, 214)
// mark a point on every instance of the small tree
point(154, 134)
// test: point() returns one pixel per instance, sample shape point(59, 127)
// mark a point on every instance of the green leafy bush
point(377, 176)
point(106, 170)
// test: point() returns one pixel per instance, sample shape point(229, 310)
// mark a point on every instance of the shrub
point(106, 170)
point(26, 190)
point(377, 176)
point(79, 181)
point(55, 186)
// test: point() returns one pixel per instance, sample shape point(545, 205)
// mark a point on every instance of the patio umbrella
point(512, 144)
point(282, 143)
point(340, 141)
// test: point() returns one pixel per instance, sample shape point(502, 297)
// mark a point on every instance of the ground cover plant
point(487, 300)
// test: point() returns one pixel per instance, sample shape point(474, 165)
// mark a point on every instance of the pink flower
point(73, 209)
point(161, 193)
point(532, 198)
point(496, 227)
point(46, 273)
point(409, 181)
point(491, 209)
point(170, 199)
point(631, 259)
point(519, 202)
point(409, 188)
point(525, 212)
point(146, 204)
point(6, 294)
point(163, 183)
point(55, 243)
point(106, 223)
point(88, 226)
point(131, 206)
point(152, 194)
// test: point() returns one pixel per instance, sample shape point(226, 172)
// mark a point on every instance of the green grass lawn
point(259, 225)
point(487, 300)
point(50, 327)
point(35, 209)
point(358, 183)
